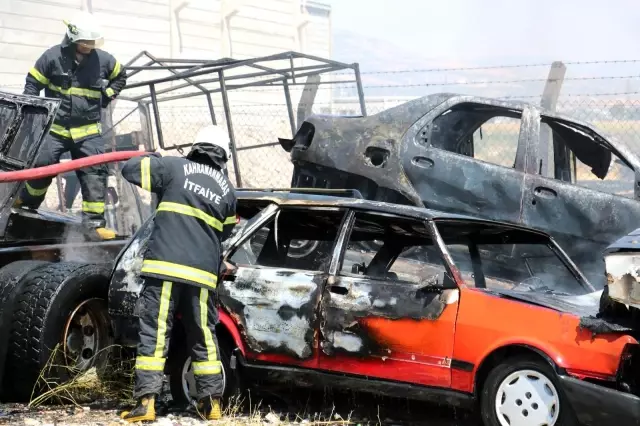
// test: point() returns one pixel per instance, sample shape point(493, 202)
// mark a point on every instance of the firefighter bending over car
point(196, 212)
point(85, 79)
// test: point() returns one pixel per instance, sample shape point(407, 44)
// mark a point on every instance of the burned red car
point(437, 152)
point(406, 301)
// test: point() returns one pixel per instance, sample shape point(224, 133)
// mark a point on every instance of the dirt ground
point(294, 407)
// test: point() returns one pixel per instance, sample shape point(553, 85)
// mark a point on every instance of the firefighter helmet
point(212, 135)
point(84, 29)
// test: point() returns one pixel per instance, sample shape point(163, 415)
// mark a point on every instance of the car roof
point(291, 198)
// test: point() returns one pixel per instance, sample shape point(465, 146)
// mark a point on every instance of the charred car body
point(553, 173)
point(330, 291)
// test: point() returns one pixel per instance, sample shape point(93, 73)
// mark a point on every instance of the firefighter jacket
point(196, 212)
point(83, 88)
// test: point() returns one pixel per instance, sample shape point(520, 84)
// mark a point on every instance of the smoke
point(76, 249)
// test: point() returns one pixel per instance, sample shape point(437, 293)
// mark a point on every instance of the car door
point(468, 157)
point(390, 305)
point(581, 200)
point(24, 122)
point(281, 267)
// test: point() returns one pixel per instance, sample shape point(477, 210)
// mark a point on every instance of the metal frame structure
point(206, 77)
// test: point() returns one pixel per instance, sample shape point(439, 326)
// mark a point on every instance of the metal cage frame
point(200, 74)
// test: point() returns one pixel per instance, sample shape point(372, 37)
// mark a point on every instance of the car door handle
point(544, 192)
point(338, 289)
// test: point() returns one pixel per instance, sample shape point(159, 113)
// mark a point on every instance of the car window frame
point(265, 217)
point(527, 113)
point(343, 239)
point(550, 241)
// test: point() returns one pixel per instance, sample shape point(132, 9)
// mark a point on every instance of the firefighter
point(85, 79)
point(196, 212)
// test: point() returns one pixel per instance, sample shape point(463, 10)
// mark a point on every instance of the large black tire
point(10, 277)
point(179, 356)
point(45, 302)
point(509, 367)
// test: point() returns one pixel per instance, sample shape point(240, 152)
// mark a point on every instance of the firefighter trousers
point(159, 301)
point(93, 180)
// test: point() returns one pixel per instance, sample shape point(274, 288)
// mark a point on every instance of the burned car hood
point(586, 307)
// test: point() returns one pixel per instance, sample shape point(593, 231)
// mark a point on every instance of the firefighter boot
point(106, 233)
point(144, 411)
point(209, 408)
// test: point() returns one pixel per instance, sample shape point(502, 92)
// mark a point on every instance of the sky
point(504, 31)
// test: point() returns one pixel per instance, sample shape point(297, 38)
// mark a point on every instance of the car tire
point(179, 363)
point(526, 389)
point(57, 301)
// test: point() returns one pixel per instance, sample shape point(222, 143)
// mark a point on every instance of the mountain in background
point(376, 54)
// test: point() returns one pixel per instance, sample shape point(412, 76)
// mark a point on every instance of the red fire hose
point(56, 169)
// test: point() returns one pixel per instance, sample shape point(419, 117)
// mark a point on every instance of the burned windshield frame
point(462, 232)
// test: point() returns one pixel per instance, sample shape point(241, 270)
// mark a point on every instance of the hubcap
point(527, 398)
point(189, 382)
point(85, 334)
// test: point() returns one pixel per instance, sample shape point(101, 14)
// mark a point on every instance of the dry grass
point(62, 384)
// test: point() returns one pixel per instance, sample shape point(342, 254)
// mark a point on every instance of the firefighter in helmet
point(196, 212)
point(85, 79)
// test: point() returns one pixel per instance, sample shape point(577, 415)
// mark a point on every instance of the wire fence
point(603, 93)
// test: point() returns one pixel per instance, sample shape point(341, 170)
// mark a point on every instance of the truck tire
point(11, 276)
point(61, 305)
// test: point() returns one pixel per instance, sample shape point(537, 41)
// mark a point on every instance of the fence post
point(305, 106)
point(549, 101)
point(232, 138)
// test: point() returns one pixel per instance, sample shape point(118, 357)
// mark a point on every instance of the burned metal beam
point(232, 138)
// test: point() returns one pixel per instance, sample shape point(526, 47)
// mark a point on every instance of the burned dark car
point(393, 299)
point(507, 161)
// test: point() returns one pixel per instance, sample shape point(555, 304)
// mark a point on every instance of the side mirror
point(636, 185)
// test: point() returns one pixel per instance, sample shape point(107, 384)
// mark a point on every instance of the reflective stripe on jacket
point(197, 211)
point(82, 88)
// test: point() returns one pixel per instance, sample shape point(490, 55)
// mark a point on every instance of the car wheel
point(524, 392)
point(182, 381)
point(61, 306)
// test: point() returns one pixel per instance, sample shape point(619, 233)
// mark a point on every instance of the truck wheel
point(181, 379)
point(61, 306)
point(524, 391)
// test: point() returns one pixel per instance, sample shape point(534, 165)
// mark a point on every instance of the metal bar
point(211, 110)
point(262, 145)
point(156, 114)
point(135, 58)
point(320, 82)
point(194, 72)
point(159, 67)
point(298, 55)
point(232, 138)
point(287, 96)
point(188, 80)
point(293, 69)
point(363, 107)
point(134, 72)
point(113, 126)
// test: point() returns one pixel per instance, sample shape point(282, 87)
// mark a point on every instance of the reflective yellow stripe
point(116, 71)
point(77, 132)
point(93, 206)
point(166, 206)
point(38, 76)
point(110, 92)
point(231, 220)
point(145, 174)
point(36, 192)
point(206, 367)
point(150, 363)
point(179, 271)
point(208, 337)
point(165, 300)
point(76, 91)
